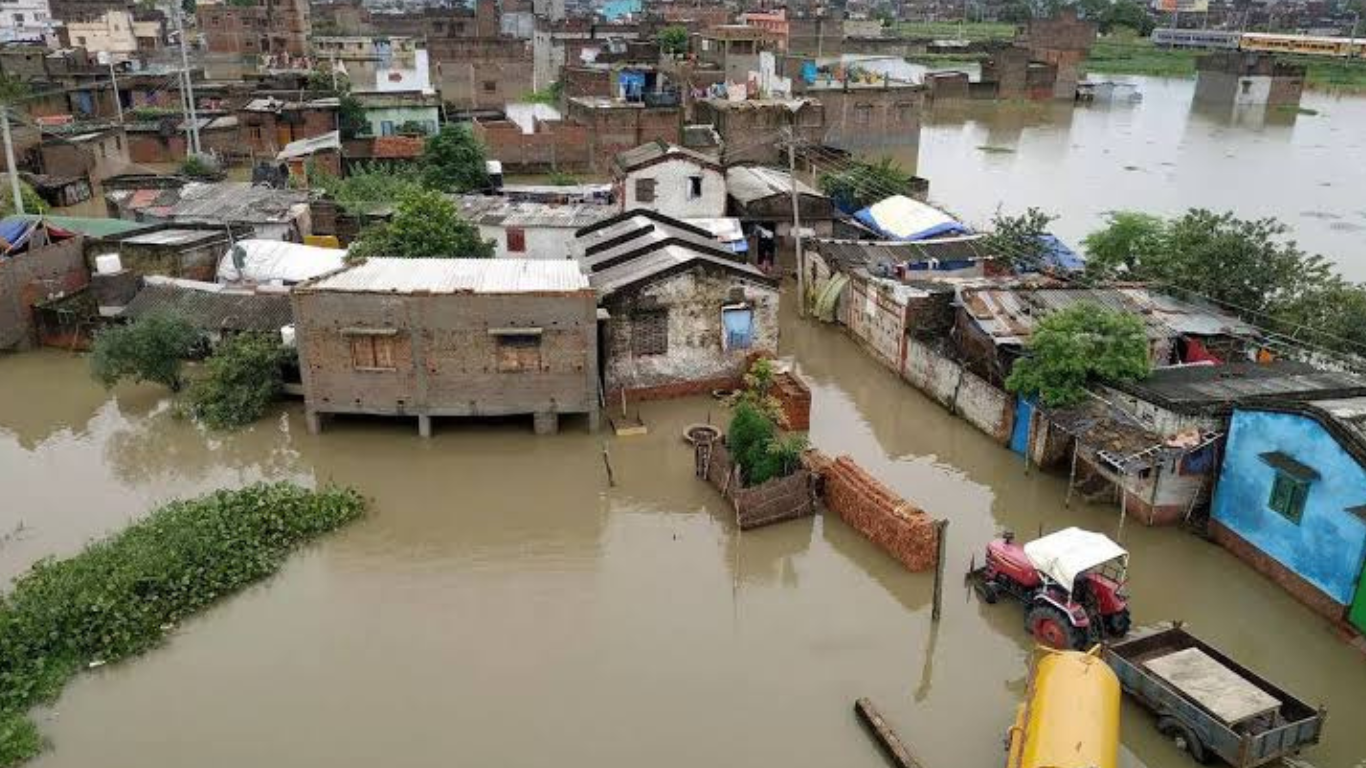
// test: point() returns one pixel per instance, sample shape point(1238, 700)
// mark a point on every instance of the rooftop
point(211, 307)
point(748, 183)
point(452, 276)
point(306, 147)
point(176, 236)
point(659, 150)
point(501, 212)
point(1212, 388)
point(1009, 315)
point(863, 254)
point(230, 201)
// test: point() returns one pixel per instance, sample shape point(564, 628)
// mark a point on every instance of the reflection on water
point(501, 603)
point(1162, 155)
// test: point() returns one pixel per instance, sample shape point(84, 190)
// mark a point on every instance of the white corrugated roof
point(457, 276)
point(264, 261)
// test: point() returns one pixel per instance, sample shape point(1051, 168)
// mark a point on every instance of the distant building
point(279, 28)
point(670, 179)
point(389, 111)
point(684, 315)
point(530, 230)
point(774, 22)
point(616, 125)
point(750, 129)
point(449, 337)
point(38, 263)
point(267, 124)
point(1063, 43)
point(734, 48)
point(26, 20)
point(1291, 500)
point(95, 155)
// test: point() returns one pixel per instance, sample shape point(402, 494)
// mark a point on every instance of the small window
point(694, 187)
point(1288, 495)
point(490, 86)
point(863, 114)
point(737, 324)
point(516, 240)
point(650, 333)
point(1247, 86)
point(519, 352)
point(645, 190)
point(386, 128)
point(372, 352)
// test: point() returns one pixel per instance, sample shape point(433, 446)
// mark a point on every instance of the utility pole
point(796, 216)
point(9, 161)
point(114, 82)
point(189, 85)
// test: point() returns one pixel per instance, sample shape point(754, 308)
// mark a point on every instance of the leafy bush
point(199, 167)
point(453, 160)
point(861, 184)
point(366, 188)
point(120, 596)
point(748, 438)
point(242, 378)
point(673, 40)
point(425, 225)
point(33, 203)
point(1083, 343)
point(561, 179)
point(152, 348)
point(1018, 240)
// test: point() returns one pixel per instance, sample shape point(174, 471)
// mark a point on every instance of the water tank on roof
point(287, 336)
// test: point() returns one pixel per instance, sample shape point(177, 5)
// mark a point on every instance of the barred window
point(519, 353)
point(650, 333)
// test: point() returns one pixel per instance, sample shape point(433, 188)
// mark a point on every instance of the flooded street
point(501, 606)
point(1160, 155)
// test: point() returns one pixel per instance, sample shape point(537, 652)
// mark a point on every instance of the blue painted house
point(1291, 500)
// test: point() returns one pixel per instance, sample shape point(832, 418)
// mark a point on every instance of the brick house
point(750, 129)
point(47, 264)
point(278, 27)
point(267, 124)
point(615, 125)
point(449, 337)
point(1062, 42)
point(684, 315)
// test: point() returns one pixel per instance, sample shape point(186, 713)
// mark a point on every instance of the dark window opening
point(650, 333)
point(694, 187)
point(519, 352)
point(516, 240)
point(645, 190)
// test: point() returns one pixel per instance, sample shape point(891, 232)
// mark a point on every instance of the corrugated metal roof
point(500, 212)
point(653, 263)
point(748, 183)
point(89, 226)
point(1195, 388)
point(636, 232)
point(211, 308)
point(856, 254)
point(1350, 414)
point(1010, 315)
point(305, 147)
point(457, 276)
point(176, 236)
point(237, 201)
point(659, 150)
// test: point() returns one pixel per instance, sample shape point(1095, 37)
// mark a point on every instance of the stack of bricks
point(795, 398)
point(872, 509)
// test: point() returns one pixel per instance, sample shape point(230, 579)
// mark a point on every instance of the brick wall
point(556, 144)
point(872, 117)
point(794, 396)
point(32, 277)
point(902, 530)
point(586, 81)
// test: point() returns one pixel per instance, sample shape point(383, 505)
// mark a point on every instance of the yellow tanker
point(1070, 718)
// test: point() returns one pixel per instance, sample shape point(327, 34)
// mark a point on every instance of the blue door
point(1019, 437)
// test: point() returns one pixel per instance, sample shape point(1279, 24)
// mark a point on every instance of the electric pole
point(9, 160)
point(796, 216)
point(189, 86)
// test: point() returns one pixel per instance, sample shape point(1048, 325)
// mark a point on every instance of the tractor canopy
point(1067, 554)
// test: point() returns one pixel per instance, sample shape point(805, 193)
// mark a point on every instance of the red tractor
point(1070, 582)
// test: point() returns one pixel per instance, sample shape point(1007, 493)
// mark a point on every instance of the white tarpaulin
point(269, 261)
point(901, 218)
point(1064, 555)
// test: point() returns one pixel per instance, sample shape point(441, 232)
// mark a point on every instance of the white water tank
point(287, 336)
point(108, 264)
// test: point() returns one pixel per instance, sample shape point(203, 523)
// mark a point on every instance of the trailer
point(1209, 704)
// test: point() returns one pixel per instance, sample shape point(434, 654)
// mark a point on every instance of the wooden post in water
point(607, 462)
point(1071, 476)
point(941, 532)
point(886, 737)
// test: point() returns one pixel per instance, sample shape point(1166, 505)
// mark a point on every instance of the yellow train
point(1070, 717)
point(1306, 45)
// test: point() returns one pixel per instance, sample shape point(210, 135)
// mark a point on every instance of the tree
point(366, 188)
point(151, 348)
point(1019, 239)
point(673, 41)
point(32, 202)
point(1017, 12)
point(1078, 345)
point(241, 379)
point(425, 225)
point(1129, 239)
point(1127, 14)
point(861, 183)
point(351, 119)
point(453, 160)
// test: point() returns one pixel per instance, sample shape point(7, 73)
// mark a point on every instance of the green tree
point(367, 188)
point(673, 41)
point(1019, 239)
point(1076, 346)
point(351, 119)
point(425, 225)
point(241, 379)
point(1130, 239)
point(33, 203)
point(1126, 14)
point(151, 348)
point(453, 160)
point(1017, 12)
point(861, 183)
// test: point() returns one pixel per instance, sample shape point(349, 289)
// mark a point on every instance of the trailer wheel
point(1183, 737)
point(1051, 627)
point(1117, 624)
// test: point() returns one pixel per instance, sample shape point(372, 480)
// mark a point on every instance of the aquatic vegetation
point(122, 595)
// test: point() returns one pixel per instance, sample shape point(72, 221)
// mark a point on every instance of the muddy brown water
point(1162, 155)
point(501, 606)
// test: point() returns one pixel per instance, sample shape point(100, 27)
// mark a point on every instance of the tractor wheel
point(1051, 627)
point(989, 590)
point(1183, 737)
point(1117, 624)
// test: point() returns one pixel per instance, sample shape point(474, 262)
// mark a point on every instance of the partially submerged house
point(449, 337)
point(189, 251)
point(1292, 500)
point(761, 198)
point(670, 179)
point(682, 314)
point(215, 310)
point(38, 262)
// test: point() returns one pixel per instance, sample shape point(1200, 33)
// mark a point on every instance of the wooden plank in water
point(887, 738)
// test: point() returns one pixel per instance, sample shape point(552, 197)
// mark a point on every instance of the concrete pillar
point(594, 418)
point(424, 425)
point(314, 421)
point(546, 422)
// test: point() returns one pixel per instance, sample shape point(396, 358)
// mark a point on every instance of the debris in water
point(995, 150)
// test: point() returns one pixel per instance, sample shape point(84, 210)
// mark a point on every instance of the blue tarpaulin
point(15, 232)
point(901, 218)
point(1057, 256)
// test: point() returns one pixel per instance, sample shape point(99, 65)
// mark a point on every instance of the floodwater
point(501, 605)
point(1161, 155)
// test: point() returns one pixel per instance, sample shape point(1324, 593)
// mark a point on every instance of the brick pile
point(795, 398)
point(872, 509)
